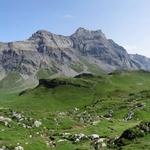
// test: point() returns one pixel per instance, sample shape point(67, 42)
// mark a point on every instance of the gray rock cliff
point(67, 55)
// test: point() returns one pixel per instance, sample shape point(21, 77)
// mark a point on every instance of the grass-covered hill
point(66, 113)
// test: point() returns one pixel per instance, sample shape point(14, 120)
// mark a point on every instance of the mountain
point(48, 54)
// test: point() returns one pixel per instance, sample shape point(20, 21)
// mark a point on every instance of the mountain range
point(48, 54)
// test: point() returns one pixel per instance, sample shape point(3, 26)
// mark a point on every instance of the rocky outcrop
point(67, 55)
point(95, 44)
point(133, 133)
point(140, 61)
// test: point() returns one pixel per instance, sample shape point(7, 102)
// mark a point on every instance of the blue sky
point(125, 21)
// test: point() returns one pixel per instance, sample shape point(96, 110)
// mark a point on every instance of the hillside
point(68, 113)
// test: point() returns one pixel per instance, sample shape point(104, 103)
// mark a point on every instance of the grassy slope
point(110, 92)
point(14, 82)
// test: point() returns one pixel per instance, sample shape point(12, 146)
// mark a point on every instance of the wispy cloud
point(67, 16)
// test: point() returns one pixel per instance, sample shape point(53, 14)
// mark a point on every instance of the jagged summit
point(85, 32)
point(81, 29)
point(40, 34)
point(42, 31)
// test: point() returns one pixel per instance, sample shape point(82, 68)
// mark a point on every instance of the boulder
point(19, 148)
point(5, 120)
point(37, 123)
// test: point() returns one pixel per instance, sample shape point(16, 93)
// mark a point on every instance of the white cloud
point(68, 16)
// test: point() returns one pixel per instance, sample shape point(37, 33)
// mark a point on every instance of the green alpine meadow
point(73, 113)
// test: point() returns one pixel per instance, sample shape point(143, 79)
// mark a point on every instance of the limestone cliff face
point(66, 55)
point(95, 44)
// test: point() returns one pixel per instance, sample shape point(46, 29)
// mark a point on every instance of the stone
point(37, 123)
point(5, 120)
point(94, 136)
point(129, 116)
point(104, 145)
point(16, 115)
point(19, 148)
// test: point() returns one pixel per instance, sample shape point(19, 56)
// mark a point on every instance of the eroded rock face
point(43, 50)
point(95, 44)
point(142, 62)
point(64, 55)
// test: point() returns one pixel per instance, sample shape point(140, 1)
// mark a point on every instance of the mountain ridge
point(67, 55)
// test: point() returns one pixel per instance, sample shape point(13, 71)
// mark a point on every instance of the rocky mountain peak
point(82, 32)
point(44, 39)
point(40, 34)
